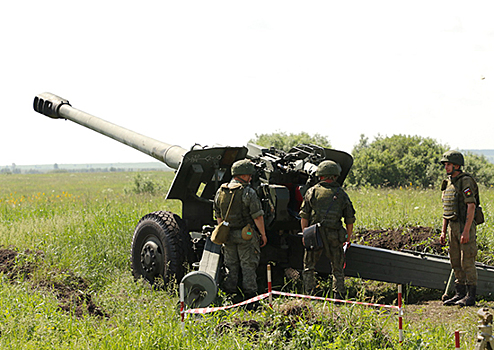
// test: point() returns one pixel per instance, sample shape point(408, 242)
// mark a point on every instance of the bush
point(395, 161)
point(286, 142)
point(143, 184)
point(481, 169)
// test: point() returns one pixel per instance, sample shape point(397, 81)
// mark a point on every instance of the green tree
point(399, 160)
point(285, 142)
point(479, 166)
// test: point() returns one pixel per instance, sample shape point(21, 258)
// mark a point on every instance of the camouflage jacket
point(457, 192)
point(245, 206)
point(324, 196)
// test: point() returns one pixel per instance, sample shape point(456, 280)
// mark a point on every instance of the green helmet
point(454, 157)
point(243, 167)
point(327, 168)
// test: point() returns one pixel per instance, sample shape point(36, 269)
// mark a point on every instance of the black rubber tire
point(161, 248)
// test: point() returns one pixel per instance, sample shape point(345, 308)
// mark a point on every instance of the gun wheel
point(160, 248)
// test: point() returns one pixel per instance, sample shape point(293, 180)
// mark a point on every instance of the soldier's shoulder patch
point(467, 191)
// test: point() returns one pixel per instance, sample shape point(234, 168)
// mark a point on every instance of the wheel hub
point(150, 258)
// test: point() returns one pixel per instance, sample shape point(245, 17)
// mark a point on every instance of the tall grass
point(393, 208)
point(83, 224)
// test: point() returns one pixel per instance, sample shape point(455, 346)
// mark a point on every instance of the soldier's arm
point(259, 221)
point(349, 218)
point(251, 200)
point(469, 191)
point(219, 219)
point(216, 209)
point(306, 209)
point(349, 231)
point(465, 236)
point(444, 230)
point(304, 223)
point(304, 217)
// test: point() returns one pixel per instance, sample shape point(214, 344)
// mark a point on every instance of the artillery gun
point(165, 245)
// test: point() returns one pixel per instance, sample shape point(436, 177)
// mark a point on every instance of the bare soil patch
point(16, 265)
point(418, 238)
point(72, 292)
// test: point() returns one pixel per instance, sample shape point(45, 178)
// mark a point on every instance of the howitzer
point(165, 245)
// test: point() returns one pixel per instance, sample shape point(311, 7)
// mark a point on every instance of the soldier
point(327, 203)
point(459, 197)
point(245, 208)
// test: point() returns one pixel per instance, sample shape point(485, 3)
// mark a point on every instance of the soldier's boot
point(339, 292)
point(252, 306)
point(461, 292)
point(309, 282)
point(469, 299)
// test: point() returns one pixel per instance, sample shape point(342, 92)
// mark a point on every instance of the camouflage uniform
point(317, 200)
point(240, 254)
point(457, 192)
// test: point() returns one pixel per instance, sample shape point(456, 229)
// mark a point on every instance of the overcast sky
point(218, 72)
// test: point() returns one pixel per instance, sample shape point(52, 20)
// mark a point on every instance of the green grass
point(82, 227)
point(392, 208)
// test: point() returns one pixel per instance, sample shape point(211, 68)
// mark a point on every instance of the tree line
point(390, 161)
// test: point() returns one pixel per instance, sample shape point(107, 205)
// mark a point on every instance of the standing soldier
point(327, 203)
point(240, 201)
point(459, 197)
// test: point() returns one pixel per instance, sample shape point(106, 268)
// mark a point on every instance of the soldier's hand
point(442, 239)
point(465, 237)
point(264, 240)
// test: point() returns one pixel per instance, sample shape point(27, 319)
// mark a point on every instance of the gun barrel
point(56, 107)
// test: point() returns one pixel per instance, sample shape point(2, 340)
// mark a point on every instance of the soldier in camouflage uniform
point(327, 194)
point(459, 197)
point(240, 254)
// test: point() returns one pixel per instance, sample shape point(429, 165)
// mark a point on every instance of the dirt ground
point(72, 292)
point(418, 238)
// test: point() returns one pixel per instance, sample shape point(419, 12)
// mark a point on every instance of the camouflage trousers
point(241, 255)
point(333, 249)
point(462, 256)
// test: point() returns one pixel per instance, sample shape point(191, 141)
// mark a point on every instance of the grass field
point(69, 285)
